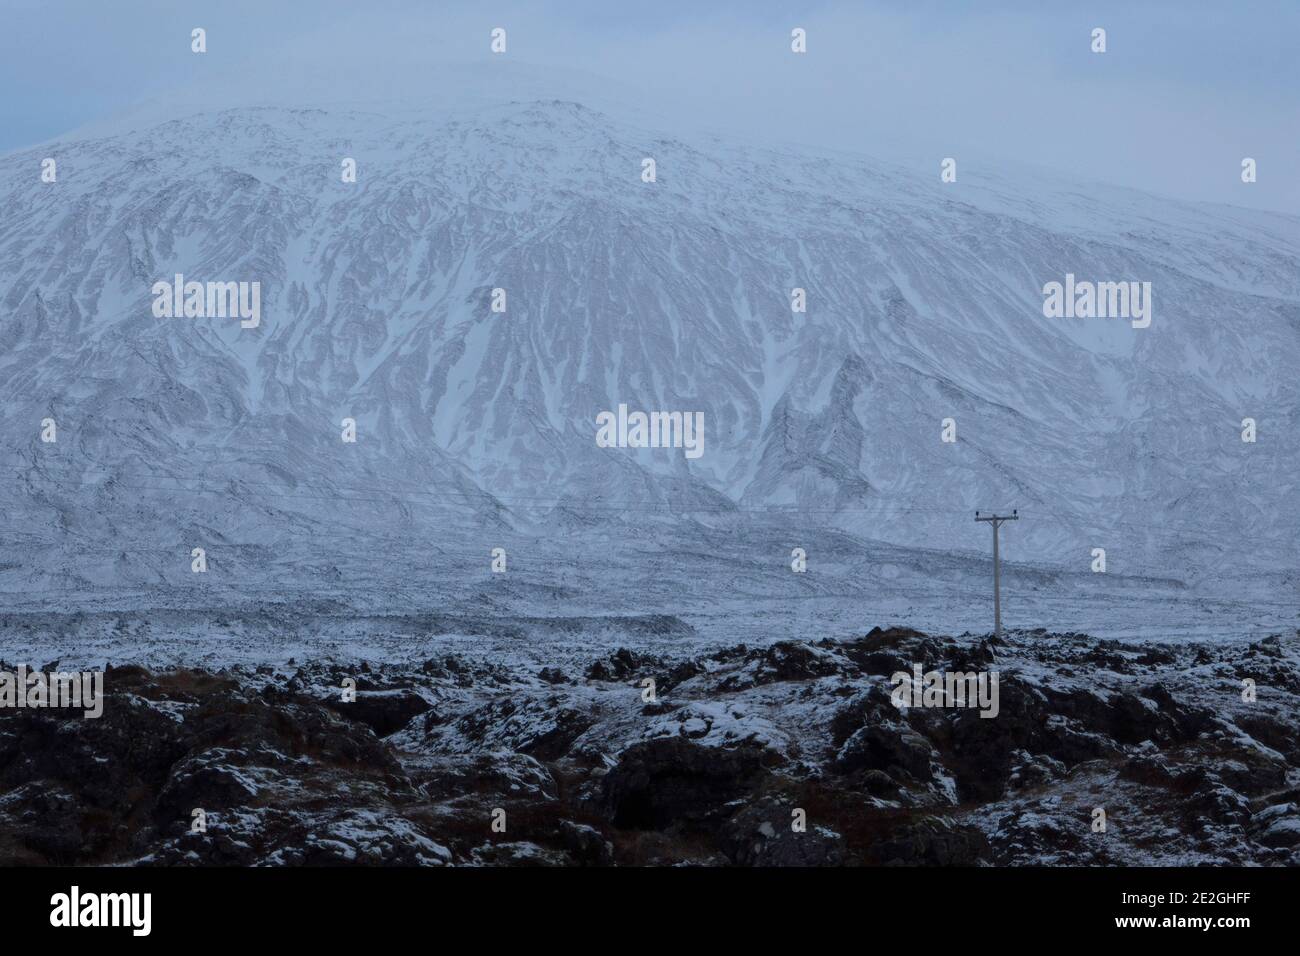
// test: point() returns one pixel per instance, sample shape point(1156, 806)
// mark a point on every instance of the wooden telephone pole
point(996, 521)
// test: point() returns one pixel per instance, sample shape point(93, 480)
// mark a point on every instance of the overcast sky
point(1185, 90)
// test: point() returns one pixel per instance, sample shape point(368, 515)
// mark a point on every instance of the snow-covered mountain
point(924, 302)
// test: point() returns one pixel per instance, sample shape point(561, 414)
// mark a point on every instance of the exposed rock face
point(763, 834)
point(385, 711)
point(933, 841)
point(789, 755)
point(660, 783)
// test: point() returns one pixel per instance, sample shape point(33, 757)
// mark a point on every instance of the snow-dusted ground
point(578, 595)
point(284, 629)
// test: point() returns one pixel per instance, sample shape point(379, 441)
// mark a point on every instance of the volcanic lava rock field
point(787, 754)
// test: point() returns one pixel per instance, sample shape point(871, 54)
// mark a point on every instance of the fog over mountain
point(476, 429)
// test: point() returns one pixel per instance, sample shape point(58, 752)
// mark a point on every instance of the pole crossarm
point(998, 519)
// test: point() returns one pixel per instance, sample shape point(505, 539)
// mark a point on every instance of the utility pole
point(996, 521)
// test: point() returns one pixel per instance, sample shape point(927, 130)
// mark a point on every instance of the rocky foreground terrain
point(418, 768)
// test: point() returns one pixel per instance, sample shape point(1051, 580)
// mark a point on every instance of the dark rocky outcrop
point(790, 754)
point(669, 781)
point(383, 711)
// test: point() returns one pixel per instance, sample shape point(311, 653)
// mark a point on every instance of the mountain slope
point(924, 303)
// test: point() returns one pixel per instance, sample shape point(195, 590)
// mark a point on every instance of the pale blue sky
point(1185, 90)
